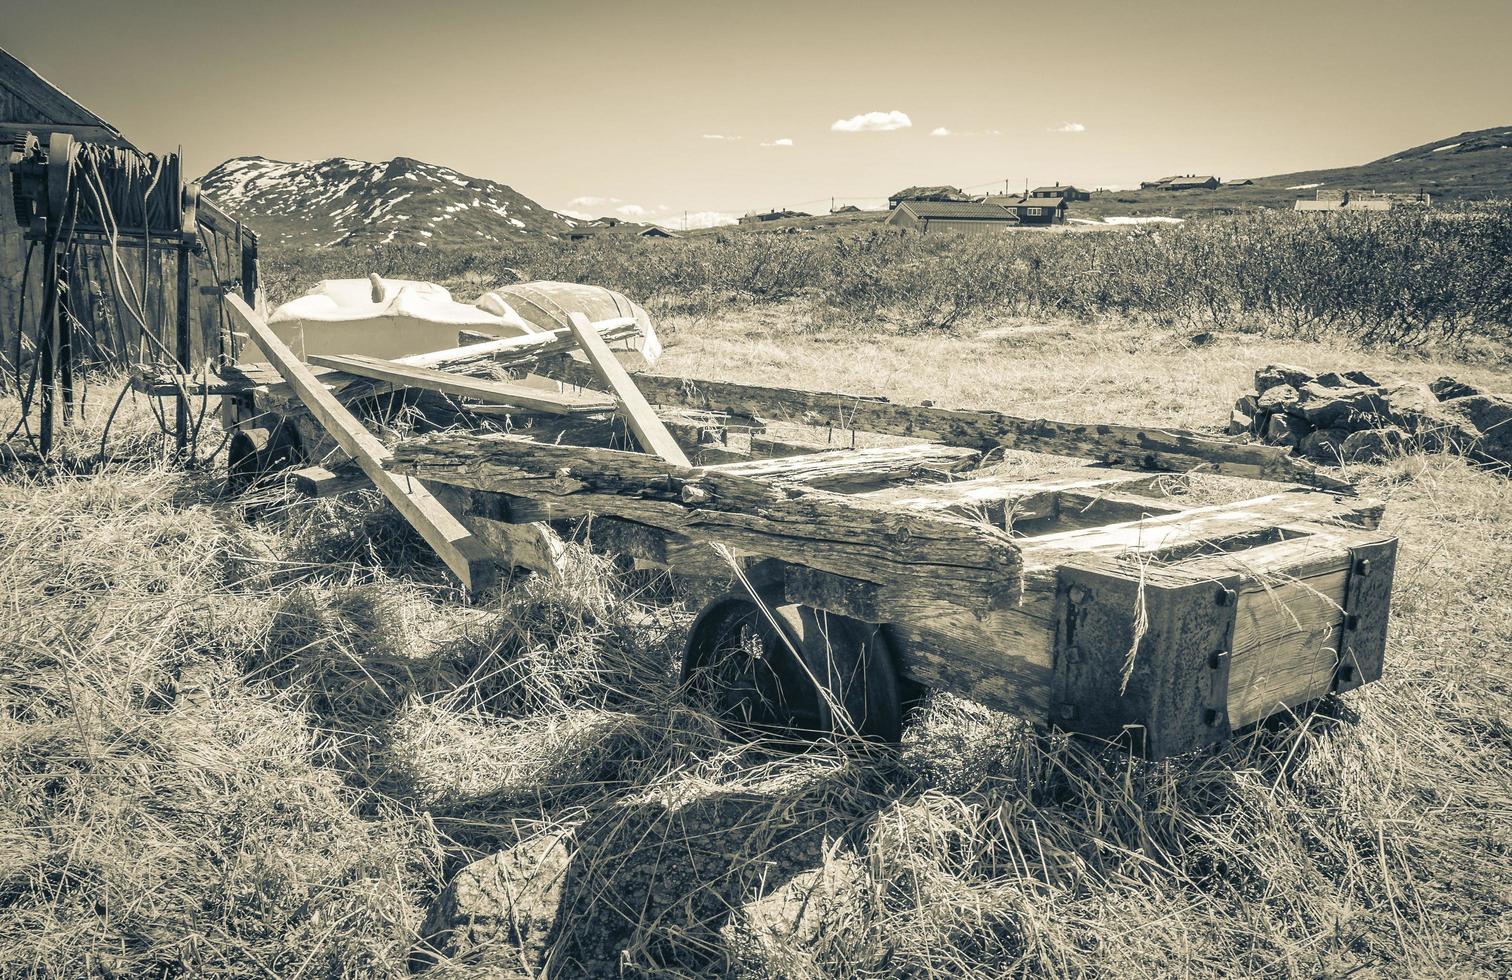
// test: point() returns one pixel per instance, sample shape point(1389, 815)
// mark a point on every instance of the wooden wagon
point(1063, 572)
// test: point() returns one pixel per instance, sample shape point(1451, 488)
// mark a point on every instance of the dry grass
point(252, 737)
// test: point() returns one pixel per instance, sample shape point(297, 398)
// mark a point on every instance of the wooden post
point(182, 347)
point(61, 270)
point(46, 368)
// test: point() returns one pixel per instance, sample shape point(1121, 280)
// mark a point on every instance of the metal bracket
point(1367, 607)
point(1173, 697)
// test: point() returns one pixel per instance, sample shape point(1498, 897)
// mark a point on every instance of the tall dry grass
point(1410, 277)
point(254, 736)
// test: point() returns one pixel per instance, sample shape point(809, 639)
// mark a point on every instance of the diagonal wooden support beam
point(464, 554)
point(648, 429)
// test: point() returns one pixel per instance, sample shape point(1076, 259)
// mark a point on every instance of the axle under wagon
point(1054, 570)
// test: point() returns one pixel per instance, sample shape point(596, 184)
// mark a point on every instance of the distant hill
point(352, 202)
point(1468, 167)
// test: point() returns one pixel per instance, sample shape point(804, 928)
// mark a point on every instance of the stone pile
point(1336, 417)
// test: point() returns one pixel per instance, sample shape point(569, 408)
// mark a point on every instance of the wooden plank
point(852, 470)
point(1144, 448)
point(487, 391)
point(320, 481)
point(1286, 639)
point(468, 559)
point(1007, 499)
point(648, 429)
point(505, 352)
point(937, 559)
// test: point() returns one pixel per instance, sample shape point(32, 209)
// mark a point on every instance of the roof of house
point(1056, 188)
point(955, 209)
point(29, 99)
point(1193, 179)
point(1033, 202)
point(922, 193)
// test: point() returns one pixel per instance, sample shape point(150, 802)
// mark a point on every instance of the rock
point(1446, 388)
point(1239, 423)
point(1323, 445)
point(1329, 408)
point(1248, 404)
point(797, 914)
point(1280, 374)
point(1332, 379)
point(1369, 445)
point(501, 907)
point(1278, 398)
point(1360, 378)
point(1283, 430)
point(1414, 407)
point(1491, 416)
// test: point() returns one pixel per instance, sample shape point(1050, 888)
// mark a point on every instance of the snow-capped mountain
point(352, 202)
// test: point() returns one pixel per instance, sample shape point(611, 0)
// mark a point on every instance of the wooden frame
point(1079, 594)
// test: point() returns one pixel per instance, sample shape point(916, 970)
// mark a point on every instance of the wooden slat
point(1004, 499)
point(648, 429)
point(468, 559)
point(488, 391)
point(1290, 616)
point(1137, 447)
point(505, 352)
point(852, 470)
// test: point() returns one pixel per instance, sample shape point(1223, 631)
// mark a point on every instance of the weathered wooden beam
point(649, 431)
point(483, 390)
point(1140, 447)
point(321, 481)
point(467, 557)
point(937, 558)
point(852, 470)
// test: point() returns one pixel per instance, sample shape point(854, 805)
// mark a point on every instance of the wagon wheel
point(777, 670)
point(253, 454)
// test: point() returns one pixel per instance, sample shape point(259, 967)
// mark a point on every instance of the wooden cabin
point(933, 217)
point(1035, 210)
point(937, 193)
point(1067, 191)
point(102, 329)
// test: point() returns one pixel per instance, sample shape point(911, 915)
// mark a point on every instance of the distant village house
point(941, 193)
point(1348, 200)
point(757, 217)
point(1066, 191)
point(1186, 182)
point(933, 217)
point(1033, 210)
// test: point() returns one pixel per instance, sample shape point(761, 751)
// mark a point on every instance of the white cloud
point(873, 122)
point(782, 142)
point(580, 215)
point(719, 136)
point(591, 201)
point(1069, 127)
point(939, 131)
point(631, 210)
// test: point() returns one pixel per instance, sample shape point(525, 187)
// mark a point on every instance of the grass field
point(254, 736)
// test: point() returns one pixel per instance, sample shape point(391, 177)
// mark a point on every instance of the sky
point(652, 109)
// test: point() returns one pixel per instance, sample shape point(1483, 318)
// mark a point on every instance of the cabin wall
point(103, 290)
